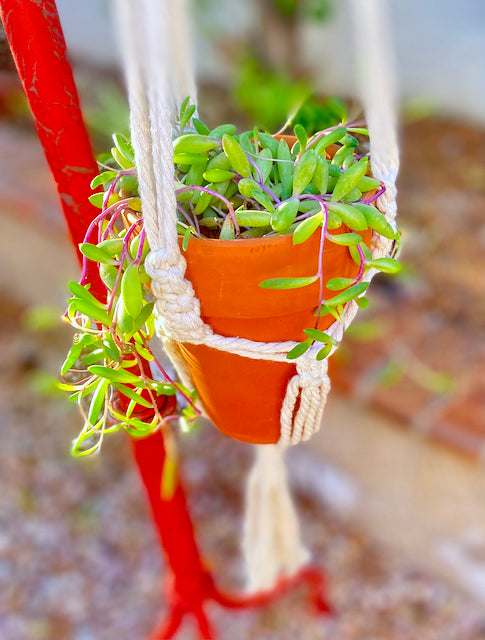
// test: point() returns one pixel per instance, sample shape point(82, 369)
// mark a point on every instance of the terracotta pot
point(243, 397)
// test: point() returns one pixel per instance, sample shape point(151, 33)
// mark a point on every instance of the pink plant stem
point(374, 197)
point(228, 204)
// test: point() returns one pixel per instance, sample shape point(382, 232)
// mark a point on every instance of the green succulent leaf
point(236, 156)
point(194, 143)
point(131, 291)
point(386, 265)
point(94, 253)
point(320, 336)
point(345, 239)
point(307, 228)
point(285, 168)
point(376, 220)
point(247, 218)
point(352, 217)
point(288, 283)
point(299, 350)
point(330, 138)
point(347, 295)
point(348, 180)
point(304, 169)
point(285, 214)
point(103, 178)
point(336, 284)
point(325, 352)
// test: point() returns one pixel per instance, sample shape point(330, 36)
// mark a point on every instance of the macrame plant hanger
point(35, 37)
point(150, 34)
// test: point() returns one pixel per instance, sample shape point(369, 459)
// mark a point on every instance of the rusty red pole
point(37, 43)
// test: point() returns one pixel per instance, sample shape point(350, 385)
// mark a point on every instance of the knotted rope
point(151, 31)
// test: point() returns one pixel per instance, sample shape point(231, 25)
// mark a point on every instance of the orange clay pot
point(242, 396)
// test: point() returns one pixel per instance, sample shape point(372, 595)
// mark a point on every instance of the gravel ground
point(79, 559)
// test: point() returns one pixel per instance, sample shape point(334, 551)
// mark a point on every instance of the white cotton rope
point(159, 75)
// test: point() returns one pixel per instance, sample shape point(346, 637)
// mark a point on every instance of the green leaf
point(185, 116)
point(203, 201)
point(320, 336)
point(362, 303)
point(334, 221)
point(248, 218)
point(268, 142)
point(200, 127)
point(132, 394)
point(245, 142)
point(330, 138)
point(288, 283)
point(285, 214)
point(285, 168)
point(108, 274)
point(352, 217)
point(116, 375)
point(354, 195)
point(94, 253)
point(143, 317)
point(97, 401)
point(228, 231)
point(124, 147)
point(350, 179)
point(336, 284)
point(307, 228)
point(189, 158)
point(347, 295)
point(342, 154)
point(131, 291)
point(72, 357)
point(323, 353)
point(302, 137)
point(320, 175)
point(122, 161)
point(368, 184)
point(386, 265)
point(218, 175)
point(265, 163)
point(345, 239)
point(251, 189)
point(81, 291)
point(236, 156)
point(299, 350)
point(194, 143)
point(112, 247)
point(103, 178)
point(219, 131)
point(376, 220)
point(91, 311)
point(304, 170)
point(110, 348)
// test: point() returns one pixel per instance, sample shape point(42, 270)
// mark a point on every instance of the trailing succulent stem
point(228, 186)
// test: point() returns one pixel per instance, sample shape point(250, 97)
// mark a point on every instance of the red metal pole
point(37, 43)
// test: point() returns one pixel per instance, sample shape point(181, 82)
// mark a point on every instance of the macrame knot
point(177, 308)
point(310, 386)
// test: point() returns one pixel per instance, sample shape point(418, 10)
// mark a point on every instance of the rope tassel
point(310, 387)
point(271, 543)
